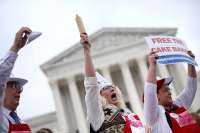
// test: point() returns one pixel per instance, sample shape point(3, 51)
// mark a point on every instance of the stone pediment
point(105, 40)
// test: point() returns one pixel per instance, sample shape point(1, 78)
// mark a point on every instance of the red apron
point(18, 128)
point(183, 122)
point(133, 124)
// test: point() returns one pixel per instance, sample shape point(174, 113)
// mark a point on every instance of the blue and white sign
point(170, 50)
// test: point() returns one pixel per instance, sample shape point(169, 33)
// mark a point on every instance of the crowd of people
point(106, 109)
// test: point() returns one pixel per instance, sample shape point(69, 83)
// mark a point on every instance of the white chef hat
point(101, 81)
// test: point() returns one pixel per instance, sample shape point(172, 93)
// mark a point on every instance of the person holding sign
point(162, 113)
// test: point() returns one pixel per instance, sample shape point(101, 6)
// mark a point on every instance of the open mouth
point(170, 98)
point(17, 98)
point(114, 96)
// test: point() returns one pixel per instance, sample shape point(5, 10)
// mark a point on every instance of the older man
point(10, 88)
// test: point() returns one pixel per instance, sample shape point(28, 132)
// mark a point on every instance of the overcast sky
point(55, 19)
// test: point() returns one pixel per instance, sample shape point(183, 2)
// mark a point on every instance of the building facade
point(120, 55)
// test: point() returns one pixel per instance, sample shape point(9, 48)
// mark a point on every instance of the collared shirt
point(6, 65)
point(155, 114)
point(6, 119)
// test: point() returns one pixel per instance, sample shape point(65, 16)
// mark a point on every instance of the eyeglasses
point(108, 87)
point(14, 85)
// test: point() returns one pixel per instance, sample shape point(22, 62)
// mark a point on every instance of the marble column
point(60, 110)
point(181, 75)
point(106, 73)
point(76, 102)
point(164, 73)
point(134, 99)
point(142, 68)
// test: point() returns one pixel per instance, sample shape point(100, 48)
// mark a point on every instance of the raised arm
point(150, 92)
point(95, 114)
point(191, 69)
point(89, 66)
point(7, 63)
point(151, 75)
point(187, 95)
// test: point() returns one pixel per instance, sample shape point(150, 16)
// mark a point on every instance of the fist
point(20, 39)
point(191, 54)
point(84, 40)
point(152, 58)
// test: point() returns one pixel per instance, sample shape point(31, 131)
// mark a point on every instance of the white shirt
point(6, 119)
point(6, 65)
point(155, 114)
point(95, 113)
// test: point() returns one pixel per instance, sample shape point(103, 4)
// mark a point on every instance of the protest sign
point(170, 50)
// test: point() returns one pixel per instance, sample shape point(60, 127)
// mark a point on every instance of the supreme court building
point(120, 55)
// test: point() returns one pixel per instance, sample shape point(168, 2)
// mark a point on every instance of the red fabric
point(160, 83)
point(127, 128)
point(136, 117)
point(18, 127)
point(192, 128)
point(129, 122)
